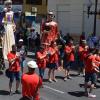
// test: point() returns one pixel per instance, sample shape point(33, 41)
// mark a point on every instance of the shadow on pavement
point(82, 86)
point(77, 93)
point(3, 92)
point(98, 81)
point(97, 86)
point(45, 80)
point(74, 75)
point(60, 77)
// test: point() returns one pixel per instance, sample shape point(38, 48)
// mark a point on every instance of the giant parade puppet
point(9, 28)
point(49, 29)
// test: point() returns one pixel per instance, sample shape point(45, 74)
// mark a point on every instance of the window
point(17, 1)
point(34, 2)
point(13, 1)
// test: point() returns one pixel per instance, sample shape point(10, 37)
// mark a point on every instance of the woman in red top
point(52, 61)
point(41, 61)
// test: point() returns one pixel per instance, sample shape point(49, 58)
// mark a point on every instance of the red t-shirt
point(82, 53)
point(41, 62)
point(69, 50)
point(97, 60)
point(89, 68)
point(56, 54)
point(53, 57)
point(29, 85)
point(15, 66)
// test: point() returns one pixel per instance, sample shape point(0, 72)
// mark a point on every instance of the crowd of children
point(58, 53)
point(49, 56)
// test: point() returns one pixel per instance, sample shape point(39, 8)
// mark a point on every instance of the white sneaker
point(91, 95)
point(69, 77)
point(50, 80)
point(65, 79)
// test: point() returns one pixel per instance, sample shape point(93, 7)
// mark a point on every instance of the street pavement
point(61, 90)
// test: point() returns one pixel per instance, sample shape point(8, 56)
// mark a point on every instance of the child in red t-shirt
point(68, 58)
point(90, 73)
point(82, 52)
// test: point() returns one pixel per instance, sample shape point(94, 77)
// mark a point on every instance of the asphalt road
point(61, 90)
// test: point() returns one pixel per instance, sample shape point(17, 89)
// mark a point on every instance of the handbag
point(7, 73)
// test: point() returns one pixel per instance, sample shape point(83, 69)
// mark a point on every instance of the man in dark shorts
point(14, 68)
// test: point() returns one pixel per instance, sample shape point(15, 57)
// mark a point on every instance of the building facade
point(17, 5)
point(72, 16)
point(41, 6)
point(26, 5)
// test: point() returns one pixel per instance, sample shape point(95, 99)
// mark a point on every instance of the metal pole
point(95, 14)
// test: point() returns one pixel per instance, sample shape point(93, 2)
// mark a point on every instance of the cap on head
point(32, 64)
point(50, 13)
point(20, 40)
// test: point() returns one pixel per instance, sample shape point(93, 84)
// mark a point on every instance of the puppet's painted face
point(50, 15)
point(8, 4)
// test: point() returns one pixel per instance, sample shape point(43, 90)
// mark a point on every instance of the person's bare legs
point(53, 74)
point(49, 75)
point(10, 87)
point(66, 74)
point(17, 84)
